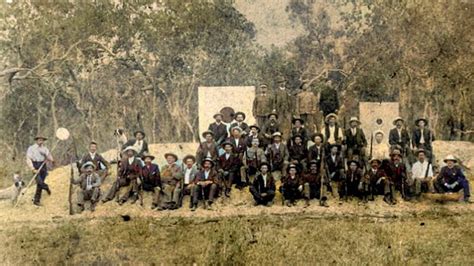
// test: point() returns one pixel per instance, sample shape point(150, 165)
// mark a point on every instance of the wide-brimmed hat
point(329, 116)
point(225, 143)
point(130, 148)
point(297, 119)
point(207, 132)
point(264, 163)
point(237, 128)
point(335, 145)
point(263, 85)
point(418, 151)
point(171, 154)
point(353, 161)
point(148, 155)
point(87, 164)
point(139, 131)
point(421, 119)
point(272, 113)
point(255, 126)
point(297, 136)
point(40, 137)
point(313, 162)
point(207, 159)
point(218, 114)
point(354, 119)
point(281, 79)
point(317, 135)
point(375, 160)
point(396, 152)
point(240, 113)
point(292, 166)
point(450, 158)
point(189, 156)
point(398, 119)
point(379, 132)
point(276, 134)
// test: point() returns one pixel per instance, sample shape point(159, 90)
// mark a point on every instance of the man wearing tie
point(399, 135)
point(423, 138)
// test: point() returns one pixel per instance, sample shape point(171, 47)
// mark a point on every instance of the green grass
point(430, 238)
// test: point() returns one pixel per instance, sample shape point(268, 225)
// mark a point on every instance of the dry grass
point(439, 237)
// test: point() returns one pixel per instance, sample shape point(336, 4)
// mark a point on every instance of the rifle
point(371, 143)
point(344, 161)
point(74, 158)
point(322, 171)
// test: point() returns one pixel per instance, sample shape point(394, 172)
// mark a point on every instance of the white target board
point(378, 116)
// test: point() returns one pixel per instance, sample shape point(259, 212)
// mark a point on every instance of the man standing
point(101, 165)
point(399, 135)
point(332, 133)
point(228, 166)
point(189, 171)
point(306, 108)
point(171, 178)
point(452, 179)
point(282, 101)
point(139, 143)
point(151, 180)
point(89, 183)
point(219, 129)
point(423, 138)
point(298, 152)
point(422, 173)
point(208, 148)
point(263, 187)
point(328, 101)
point(262, 105)
point(355, 140)
point(277, 154)
point(239, 122)
point(130, 170)
point(206, 184)
point(37, 156)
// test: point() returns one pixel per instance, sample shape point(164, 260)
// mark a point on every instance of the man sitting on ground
point(452, 179)
point(206, 183)
point(263, 187)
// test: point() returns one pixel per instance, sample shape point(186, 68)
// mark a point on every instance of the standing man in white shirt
point(422, 173)
point(332, 133)
point(37, 156)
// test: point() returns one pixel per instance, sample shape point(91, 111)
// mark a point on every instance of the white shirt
point(92, 155)
point(277, 145)
point(187, 175)
point(138, 145)
point(354, 131)
point(419, 170)
point(264, 180)
point(206, 174)
point(227, 155)
point(422, 138)
point(399, 130)
point(131, 159)
point(36, 153)
point(236, 142)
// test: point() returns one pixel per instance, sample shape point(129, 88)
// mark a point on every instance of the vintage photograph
point(236, 132)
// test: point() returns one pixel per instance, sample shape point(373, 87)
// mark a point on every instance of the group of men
point(308, 162)
point(334, 162)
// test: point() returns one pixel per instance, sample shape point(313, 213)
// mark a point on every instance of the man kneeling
point(89, 183)
point(263, 187)
point(206, 183)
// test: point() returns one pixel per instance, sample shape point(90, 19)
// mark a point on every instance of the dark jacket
point(259, 186)
point(98, 161)
point(229, 165)
point(452, 175)
point(151, 175)
point(335, 168)
point(203, 149)
point(130, 171)
point(241, 147)
point(427, 135)
point(297, 152)
point(312, 178)
point(302, 132)
point(213, 176)
point(356, 141)
point(220, 131)
point(315, 153)
point(394, 138)
point(244, 126)
point(132, 142)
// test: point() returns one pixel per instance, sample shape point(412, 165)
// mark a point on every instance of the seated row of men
point(309, 174)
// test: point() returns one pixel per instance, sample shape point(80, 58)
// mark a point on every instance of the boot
point(93, 206)
point(306, 203)
point(387, 199)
